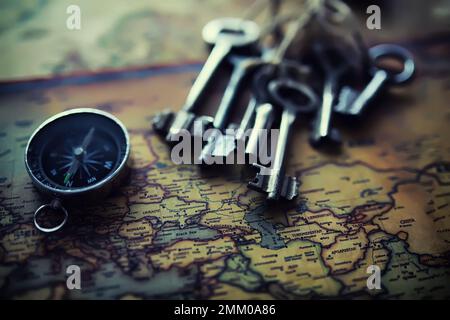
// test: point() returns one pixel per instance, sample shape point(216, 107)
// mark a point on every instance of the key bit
point(182, 120)
point(286, 189)
point(215, 148)
point(200, 125)
point(162, 122)
point(221, 148)
point(225, 144)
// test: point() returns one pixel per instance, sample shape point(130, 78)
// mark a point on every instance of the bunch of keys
point(282, 89)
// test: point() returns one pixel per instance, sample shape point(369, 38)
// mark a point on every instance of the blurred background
point(115, 34)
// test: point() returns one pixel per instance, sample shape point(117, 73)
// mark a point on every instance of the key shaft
point(369, 92)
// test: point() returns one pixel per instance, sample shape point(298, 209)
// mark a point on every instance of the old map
point(179, 232)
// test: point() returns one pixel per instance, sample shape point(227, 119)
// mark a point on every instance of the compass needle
point(87, 139)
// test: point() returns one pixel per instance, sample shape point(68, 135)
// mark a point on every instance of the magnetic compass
point(76, 155)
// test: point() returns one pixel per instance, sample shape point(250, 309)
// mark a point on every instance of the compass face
point(77, 151)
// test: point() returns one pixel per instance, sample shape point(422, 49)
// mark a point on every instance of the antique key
point(225, 145)
point(273, 56)
point(353, 102)
point(265, 112)
point(273, 180)
point(261, 109)
point(322, 131)
point(257, 108)
point(218, 145)
point(226, 34)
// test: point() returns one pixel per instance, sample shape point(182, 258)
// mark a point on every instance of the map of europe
point(178, 231)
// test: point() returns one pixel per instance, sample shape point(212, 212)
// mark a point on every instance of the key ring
point(276, 86)
point(55, 205)
point(395, 51)
point(272, 71)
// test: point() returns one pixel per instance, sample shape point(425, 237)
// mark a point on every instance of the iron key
point(273, 181)
point(353, 102)
point(225, 34)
